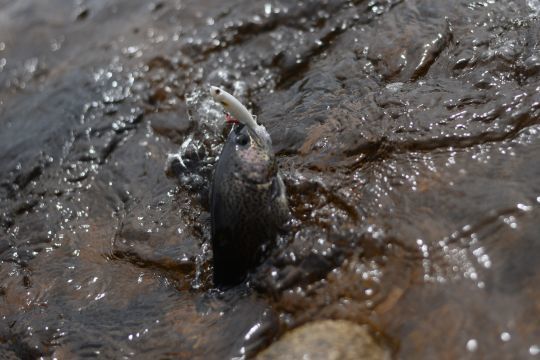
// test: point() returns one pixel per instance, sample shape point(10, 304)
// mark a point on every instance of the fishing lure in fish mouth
point(234, 107)
point(238, 113)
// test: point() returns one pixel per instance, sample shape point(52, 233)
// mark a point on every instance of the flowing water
point(408, 133)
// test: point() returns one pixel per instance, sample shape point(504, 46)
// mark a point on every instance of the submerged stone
point(326, 340)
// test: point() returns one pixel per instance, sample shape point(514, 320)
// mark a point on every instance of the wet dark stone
point(171, 125)
point(4, 246)
point(25, 206)
point(163, 249)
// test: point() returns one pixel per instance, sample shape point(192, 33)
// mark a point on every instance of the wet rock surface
point(327, 339)
point(408, 134)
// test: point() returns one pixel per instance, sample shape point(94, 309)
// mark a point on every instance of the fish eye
point(242, 139)
point(218, 91)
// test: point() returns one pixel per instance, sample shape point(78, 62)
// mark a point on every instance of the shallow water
point(408, 133)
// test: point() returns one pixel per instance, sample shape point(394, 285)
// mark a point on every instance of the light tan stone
point(326, 340)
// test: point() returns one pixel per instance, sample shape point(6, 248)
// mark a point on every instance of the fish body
point(248, 203)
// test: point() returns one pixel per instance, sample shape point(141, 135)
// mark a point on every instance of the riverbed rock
point(326, 340)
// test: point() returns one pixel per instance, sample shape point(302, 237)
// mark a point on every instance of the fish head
point(250, 156)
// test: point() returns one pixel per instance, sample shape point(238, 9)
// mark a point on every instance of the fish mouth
point(251, 183)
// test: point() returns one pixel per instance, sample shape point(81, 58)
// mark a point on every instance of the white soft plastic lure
point(239, 112)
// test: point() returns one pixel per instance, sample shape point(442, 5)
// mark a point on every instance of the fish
point(248, 202)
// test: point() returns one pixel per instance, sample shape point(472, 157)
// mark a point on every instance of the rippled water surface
point(408, 133)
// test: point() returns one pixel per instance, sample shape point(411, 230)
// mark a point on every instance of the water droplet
point(524, 207)
point(472, 345)
point(369, 292)
point(252, 331)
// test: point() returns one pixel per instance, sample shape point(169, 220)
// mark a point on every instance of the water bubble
point(534, 350)
point(505, 336)
point(511, 221)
